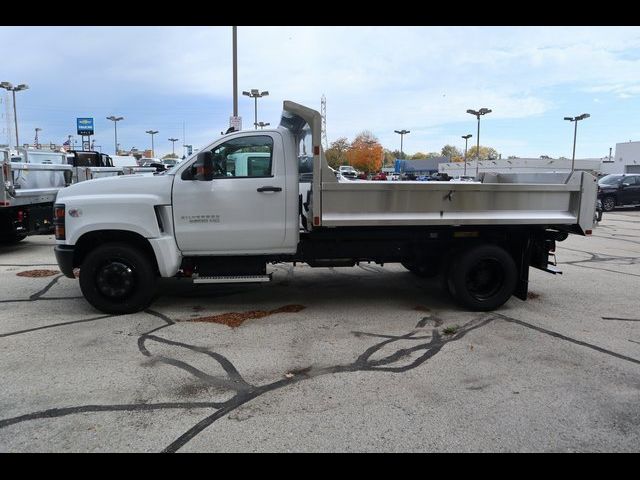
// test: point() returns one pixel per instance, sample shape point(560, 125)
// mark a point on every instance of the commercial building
point(625, 160)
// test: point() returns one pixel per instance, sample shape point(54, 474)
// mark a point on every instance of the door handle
point(269, 189)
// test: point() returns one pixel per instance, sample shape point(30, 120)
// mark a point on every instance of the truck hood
point(149, 185)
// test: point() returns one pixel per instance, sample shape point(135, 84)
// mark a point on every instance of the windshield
point(610, 180)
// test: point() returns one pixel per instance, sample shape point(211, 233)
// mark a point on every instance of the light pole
point(36, 141)
point(402, 134)
point(234, 36)
point(466, 138)
point(479, 113)
point(262, 125)
point(173, 145)
point(115, 121)
point(152, 133)
point(575, 132)
point(9, 86)
point(256, 94)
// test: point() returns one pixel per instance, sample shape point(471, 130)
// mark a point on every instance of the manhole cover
point(37, 273)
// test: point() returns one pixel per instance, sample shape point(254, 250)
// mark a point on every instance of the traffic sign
point(85, 126)
point(236, 123)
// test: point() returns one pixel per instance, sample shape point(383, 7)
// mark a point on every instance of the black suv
point(618, 190)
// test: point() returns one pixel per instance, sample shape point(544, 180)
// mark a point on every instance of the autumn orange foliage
point(365, 155)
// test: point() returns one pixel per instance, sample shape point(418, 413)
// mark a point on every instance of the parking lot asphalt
point(357, 359)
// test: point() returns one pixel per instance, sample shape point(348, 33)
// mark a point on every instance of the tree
point(336, 154)
point(390, 157)
point(418, 156)
point(486, 153)
point(170, 155)
point(451, 152)
point(366, 153)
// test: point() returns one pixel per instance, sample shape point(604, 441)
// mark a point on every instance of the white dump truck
point(209, 221)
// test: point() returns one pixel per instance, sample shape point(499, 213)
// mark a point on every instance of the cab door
point(242, 209)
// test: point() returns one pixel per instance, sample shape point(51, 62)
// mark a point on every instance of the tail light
point(58, 221)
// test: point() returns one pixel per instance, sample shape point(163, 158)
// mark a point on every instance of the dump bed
point(561, 200)
point(543, 199)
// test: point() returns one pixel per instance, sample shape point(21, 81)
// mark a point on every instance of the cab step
point(234, 279)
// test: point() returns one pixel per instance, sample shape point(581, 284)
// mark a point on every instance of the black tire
point(118, 278)
point(423, 270)
point(482, 278)
point(608, 203)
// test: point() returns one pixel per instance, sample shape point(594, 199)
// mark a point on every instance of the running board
point(234, 279)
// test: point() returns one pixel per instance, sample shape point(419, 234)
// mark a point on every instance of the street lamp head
point(152, 132)
point(467, 136)
point(255, 91)
point(22, 86)
point(246, 93)
point(484, 111)
point(583, 116)
point(7, 85)
point(473, 112)
point(264, 94)
point(569, 118)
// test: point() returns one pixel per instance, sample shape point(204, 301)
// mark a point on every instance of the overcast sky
point(381, 79)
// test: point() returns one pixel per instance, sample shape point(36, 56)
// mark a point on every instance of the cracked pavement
point(370, 359)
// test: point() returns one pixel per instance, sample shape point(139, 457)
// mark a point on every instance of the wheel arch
point(90, 240)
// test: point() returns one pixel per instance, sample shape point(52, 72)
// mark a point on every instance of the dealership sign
point(85, 126)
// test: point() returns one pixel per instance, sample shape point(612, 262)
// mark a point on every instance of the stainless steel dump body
point(553, 199)
point(498, 200)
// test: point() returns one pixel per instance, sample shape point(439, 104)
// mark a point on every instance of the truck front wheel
point(118, 278)
point(482, 278)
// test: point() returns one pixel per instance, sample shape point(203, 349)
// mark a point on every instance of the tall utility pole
point(173, 145)
point(152, 133)
point(9, 86)
point(575, 133)
point(478, 113)
point(466, 138)
point(402, 134)
point(115, 121)
point(256, 94)
point(36, 141)
point(323, 113)
point(235, 70)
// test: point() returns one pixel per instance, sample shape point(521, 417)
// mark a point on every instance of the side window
point(244, 157)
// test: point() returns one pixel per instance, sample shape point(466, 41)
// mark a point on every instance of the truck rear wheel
point(482, 278)
point(118, 278)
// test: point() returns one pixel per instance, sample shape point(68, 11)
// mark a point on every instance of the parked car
point(619, 190)
point(380, 176)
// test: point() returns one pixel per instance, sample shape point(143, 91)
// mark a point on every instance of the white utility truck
point(30, 180)
point(208, 220)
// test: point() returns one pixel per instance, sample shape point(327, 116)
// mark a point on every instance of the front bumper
point(64, 257)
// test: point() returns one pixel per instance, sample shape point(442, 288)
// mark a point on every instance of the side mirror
point(205, 158)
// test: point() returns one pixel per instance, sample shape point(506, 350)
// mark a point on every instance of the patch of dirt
point(37, 273)
point(533, 295)
point(235, 319)
point(422, 308)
